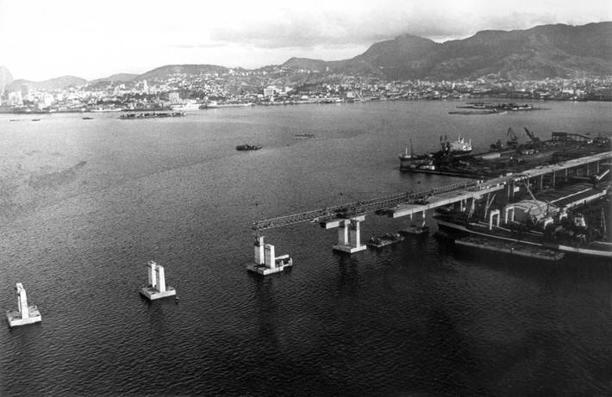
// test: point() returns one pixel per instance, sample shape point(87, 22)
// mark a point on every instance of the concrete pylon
point(259, 250)
point(343, 233)
point(349, 236)
point(265, 261)
point(25, 314)
point(494, 218)
point(157, 288)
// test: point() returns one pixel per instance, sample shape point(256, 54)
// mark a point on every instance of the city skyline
point(41, 40)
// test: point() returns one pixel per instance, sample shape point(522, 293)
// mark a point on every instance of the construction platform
point(152, 293)
point(15, 318)
point(282, 263)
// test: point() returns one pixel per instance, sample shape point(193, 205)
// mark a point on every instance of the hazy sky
point(91, 39)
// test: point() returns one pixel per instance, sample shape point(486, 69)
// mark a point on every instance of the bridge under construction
point(347, 217)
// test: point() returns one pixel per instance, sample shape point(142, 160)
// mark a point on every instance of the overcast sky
point(92, 39)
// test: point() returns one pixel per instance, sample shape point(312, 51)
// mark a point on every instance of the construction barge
point(502, 158)
point(150, 115)
point(478, 108)
point(494, 247)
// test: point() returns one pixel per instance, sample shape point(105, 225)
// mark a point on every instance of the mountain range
point(543, 51)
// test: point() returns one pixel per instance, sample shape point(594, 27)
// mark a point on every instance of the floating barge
point(385, 240)
point(511, 248)
point(150, 115)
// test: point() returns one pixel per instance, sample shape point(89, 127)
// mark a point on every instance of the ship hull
point(456, 230)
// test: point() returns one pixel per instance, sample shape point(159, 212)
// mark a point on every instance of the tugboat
point(246, 147)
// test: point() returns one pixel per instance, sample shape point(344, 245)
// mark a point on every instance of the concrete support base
point(15, 320)
point(153, 294)
point(349, 249)
point(264, 271)
point(266, 262)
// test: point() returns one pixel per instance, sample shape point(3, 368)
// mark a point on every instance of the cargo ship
point(427, 162)
point(247, 147)
point(460, 146)
point(150, 115)
point(530, 226)
point(411, 162)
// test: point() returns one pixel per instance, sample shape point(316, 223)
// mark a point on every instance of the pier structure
point(463, 195)
point(349, 234)
point(156, 289)
point(534, 180)
point(25, 314)
point(265, 261)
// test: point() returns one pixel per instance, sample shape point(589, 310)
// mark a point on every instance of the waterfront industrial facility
point(559, 207)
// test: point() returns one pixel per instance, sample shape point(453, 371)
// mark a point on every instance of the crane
point(512, 138)
point(532, 136)
point(536, 143)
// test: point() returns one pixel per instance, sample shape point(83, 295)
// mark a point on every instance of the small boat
point(35, 119)
point(246, 147)
point(87, 118)
point(383, 241)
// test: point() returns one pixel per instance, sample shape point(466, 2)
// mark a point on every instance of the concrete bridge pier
point(156, 289)
point(494, 218)
point(509, 214)
point(25, 314)
point(423, 218)
point(265, 261)
point(349, 236)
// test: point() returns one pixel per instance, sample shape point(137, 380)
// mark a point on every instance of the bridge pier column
point(509, 214)
point(349, 237)
point(259, 250)
point(265, 261)
point(22, 301)
point(493, 217)
point(25, 314)
point(343, 233)
point(510, 191)
point(157, 283)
